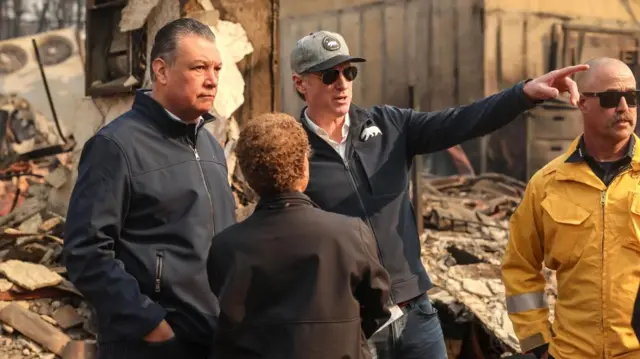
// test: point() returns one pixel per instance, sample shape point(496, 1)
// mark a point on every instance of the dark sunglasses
point(330, 76)
point(611, 99)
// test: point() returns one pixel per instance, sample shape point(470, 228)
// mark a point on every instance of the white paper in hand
point(396, 313)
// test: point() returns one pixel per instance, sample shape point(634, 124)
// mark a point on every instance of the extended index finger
point(569, 70)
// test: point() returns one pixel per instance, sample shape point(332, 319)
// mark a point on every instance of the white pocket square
point(370, 132)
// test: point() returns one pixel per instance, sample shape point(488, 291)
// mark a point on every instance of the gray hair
point(166, 40)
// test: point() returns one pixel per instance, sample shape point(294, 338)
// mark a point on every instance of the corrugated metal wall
point(436, 46)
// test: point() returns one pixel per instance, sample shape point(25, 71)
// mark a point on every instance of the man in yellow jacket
point(580, 216)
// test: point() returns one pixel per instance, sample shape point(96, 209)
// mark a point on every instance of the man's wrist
point(527, 96)
point(161, 333)
point(154, 315)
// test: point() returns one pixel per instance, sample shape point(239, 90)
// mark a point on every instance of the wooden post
point(416, 170)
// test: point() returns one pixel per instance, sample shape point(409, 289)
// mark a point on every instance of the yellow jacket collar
point(580, 171)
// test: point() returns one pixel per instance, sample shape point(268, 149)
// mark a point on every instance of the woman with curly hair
point(293, 281)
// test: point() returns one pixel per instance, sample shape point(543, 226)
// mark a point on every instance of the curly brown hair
point(272, 153)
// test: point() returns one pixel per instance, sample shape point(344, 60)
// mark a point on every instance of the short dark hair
point(167, 38)
point(272, 150)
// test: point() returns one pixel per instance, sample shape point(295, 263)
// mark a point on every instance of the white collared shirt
point(200, 119)
point(340, 147)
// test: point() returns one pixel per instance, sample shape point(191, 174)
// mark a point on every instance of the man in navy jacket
point(360, 167)
point(151, 193)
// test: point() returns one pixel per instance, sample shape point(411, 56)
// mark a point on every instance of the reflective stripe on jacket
point(589, 234)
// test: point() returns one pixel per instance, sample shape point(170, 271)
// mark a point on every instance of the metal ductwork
point(12, 58)
point(54, 49)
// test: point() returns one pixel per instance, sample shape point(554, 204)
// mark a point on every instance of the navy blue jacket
point(150, 195)
point(373, 182)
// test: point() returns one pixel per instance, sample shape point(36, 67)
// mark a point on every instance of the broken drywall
point(206, 5)
point(233, 45)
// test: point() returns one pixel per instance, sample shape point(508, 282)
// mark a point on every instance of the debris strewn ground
point(42, 314)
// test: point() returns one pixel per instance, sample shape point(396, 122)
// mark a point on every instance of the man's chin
point(341, 110)
point(203, 107)
point(205, 100)
point(622, 134)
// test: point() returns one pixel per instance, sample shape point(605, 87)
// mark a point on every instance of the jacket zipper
point(159, 264)
point(345, 163)
point(206, 187)
point(603, 200)
point(366, 214)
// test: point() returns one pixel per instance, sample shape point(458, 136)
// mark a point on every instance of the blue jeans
point(416, 335)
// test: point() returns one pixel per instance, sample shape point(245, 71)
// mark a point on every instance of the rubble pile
point(41, 314)
point(466, 232)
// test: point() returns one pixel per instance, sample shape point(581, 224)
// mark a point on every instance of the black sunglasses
point(611, 99)
point(330, 76)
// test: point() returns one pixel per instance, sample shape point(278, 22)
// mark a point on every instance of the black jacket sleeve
point(97, 210)
point(428, 132)
point(374, 289)
point(218, 263)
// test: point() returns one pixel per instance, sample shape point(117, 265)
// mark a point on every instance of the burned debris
point(42, 314)
point(466, 232)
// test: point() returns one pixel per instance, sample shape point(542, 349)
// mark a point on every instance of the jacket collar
point(569, 169)
point(284, 200)
point(580, 152)
point(150, 108)
point(357, 118)
point(321, 132)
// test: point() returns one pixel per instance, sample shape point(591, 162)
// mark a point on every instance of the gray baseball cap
point(320, 51)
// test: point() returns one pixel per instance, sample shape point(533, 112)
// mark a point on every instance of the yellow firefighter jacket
point(590, 235)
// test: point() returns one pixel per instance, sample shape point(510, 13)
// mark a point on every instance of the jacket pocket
point(567, 229)
point(157, 286)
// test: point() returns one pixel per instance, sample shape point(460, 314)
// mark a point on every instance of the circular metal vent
point(54, 49)
point(12, 58)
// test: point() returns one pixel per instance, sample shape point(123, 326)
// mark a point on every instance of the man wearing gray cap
point(360, 167)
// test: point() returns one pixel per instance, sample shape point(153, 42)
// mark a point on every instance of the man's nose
point(622, 105)
point(211, 79)
point(341, 82)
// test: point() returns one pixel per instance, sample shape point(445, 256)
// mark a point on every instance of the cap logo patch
point(330, 43)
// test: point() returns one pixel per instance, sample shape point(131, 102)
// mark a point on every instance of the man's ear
point(159, 68)
point(297, 83)
point(582, 104)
